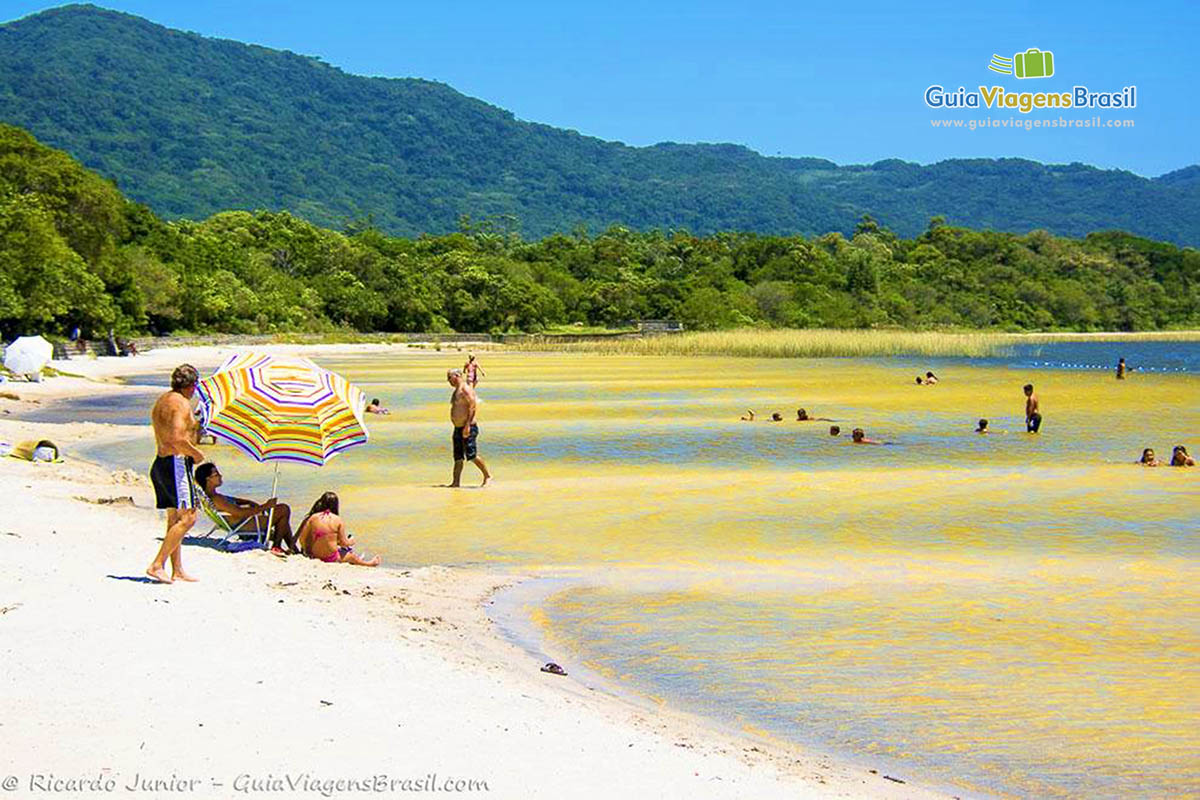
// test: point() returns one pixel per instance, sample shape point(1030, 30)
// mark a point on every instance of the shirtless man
point(463, 405)
point(1033, 417)
point(171, 472)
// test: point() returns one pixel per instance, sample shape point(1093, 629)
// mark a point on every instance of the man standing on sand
point(1033, 416)
point(171, 472)
point(463, 405)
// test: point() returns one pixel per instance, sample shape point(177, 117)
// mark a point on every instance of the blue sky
point(841, 81)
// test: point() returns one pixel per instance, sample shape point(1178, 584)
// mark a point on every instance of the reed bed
point(814, 343)
point(1138, 336)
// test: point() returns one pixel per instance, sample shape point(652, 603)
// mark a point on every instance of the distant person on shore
point(375, 407)
point(472, 370)
point(1180, 457)
point(236, 510)
point(1033, 414)
point(1148, 458)
point(857, 436)
point(323, 535)
point(834, 430)
point(748, 416)
point(930, 379)
point(802, 416)
point(463, 405)
point(1120, 369)
point(171, 473)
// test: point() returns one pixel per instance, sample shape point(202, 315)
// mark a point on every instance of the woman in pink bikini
point(322, 535)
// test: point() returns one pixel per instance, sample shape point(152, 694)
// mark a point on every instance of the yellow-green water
point(1013, 613)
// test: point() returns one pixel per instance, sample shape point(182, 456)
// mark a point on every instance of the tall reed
point(814, 343)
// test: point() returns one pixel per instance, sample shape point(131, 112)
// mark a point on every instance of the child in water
point(1180, 457)
point(1148, 459)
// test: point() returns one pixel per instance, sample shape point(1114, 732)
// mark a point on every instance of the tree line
point(75, 252)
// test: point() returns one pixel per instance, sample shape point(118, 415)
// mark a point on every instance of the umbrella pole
point(271, 512)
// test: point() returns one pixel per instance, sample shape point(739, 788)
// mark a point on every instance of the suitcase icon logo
point(1033, 63)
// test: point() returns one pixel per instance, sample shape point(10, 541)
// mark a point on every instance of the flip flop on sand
point(275, 551)
point(554, 669)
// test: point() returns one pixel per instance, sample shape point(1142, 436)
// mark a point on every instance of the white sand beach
point(299, 678)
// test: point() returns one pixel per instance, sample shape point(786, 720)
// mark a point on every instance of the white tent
point(27, 355)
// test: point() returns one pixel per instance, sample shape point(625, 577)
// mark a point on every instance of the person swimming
point(930, 379)
point(802, 416)
point(375, 407)
point(859, 437)
point(1180, 457)
point(983, 426)
point(920, 381)
point(777, 417)
point(749, 417)
point(834, 430)
point(1148, 458)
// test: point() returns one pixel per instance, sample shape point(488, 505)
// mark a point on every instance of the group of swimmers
point(857, 436)
point(1033, 422)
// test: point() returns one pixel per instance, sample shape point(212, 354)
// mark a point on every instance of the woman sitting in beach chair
point(323, 535)
point(245, 516)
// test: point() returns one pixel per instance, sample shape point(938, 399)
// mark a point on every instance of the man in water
point(1120, 369)
point(171, 472)
point(1033, 417)
point(983, 423)
point(749, 416)
point(375, 407)
point(802, 416)
point(463, 405)
point(834, 430)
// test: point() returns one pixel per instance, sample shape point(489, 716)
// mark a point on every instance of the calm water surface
point(1010, 614)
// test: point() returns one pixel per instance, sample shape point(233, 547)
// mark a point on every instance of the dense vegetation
point(75, 251)
point(192, 126)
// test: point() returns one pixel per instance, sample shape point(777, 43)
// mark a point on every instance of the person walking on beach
point(171, 472)
point(1033, 416)
point(463, 405)
point(1120, 369)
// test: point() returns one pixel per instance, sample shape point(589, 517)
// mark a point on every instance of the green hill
point(192, 125)
point(74, 251)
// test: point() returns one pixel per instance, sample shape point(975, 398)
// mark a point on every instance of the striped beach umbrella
point(282, 409)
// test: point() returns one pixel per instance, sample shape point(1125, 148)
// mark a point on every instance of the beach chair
point(232, 541)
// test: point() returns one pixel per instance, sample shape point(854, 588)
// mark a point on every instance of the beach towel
point(37, 450)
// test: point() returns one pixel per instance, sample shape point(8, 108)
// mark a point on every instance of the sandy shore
point(288, 677)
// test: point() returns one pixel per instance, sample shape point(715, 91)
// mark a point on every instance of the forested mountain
point(191, 126)
point(74, 251)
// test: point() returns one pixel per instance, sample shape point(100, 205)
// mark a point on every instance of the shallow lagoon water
point(1012, 614)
